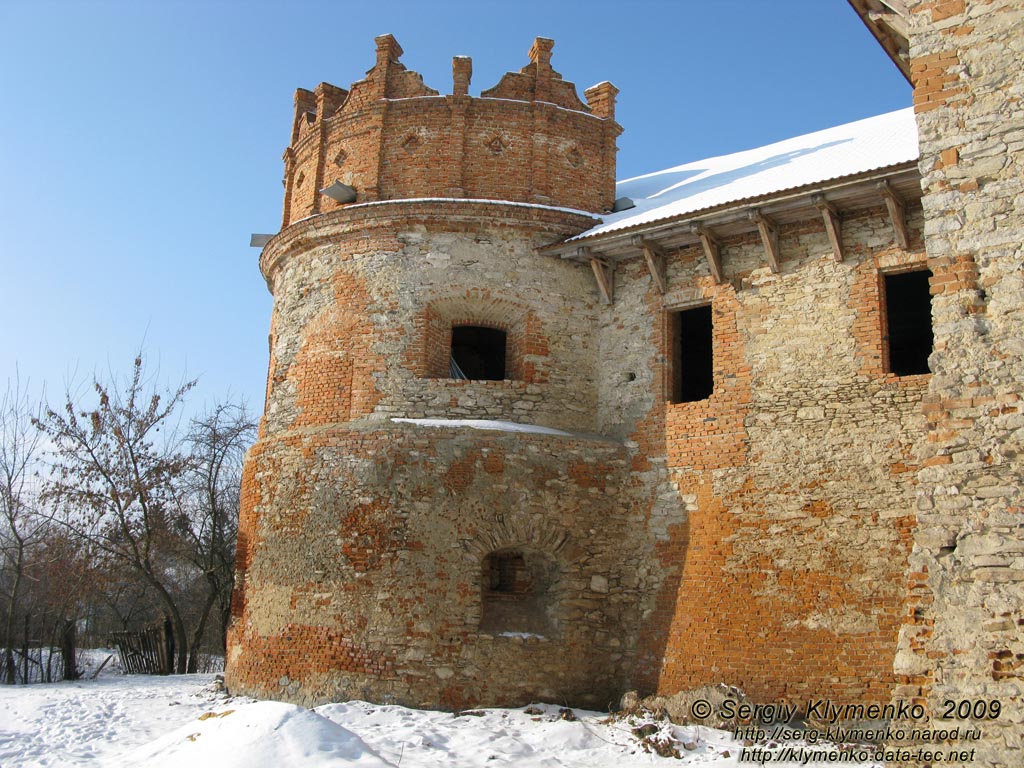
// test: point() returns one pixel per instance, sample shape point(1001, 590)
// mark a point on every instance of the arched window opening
point(478, 353)
point(508, 574)
point(518, 592)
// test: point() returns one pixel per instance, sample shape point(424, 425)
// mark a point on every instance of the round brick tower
point(428, 517)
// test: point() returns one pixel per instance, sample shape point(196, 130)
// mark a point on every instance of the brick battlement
point(390, 137)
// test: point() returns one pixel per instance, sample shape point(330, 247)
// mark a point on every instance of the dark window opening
point(693, 376)
point(519, 592)
point(508, 574)
point(908, 312)
point(477, 353)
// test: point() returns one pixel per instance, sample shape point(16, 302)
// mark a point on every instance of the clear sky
point(141, 141)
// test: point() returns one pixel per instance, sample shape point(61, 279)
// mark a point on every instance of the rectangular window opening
point(908, 313)
point(478, 353)
point(693, 376)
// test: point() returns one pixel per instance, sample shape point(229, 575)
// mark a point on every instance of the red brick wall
point(785, 577)
point(526, 344)
point(392, 138)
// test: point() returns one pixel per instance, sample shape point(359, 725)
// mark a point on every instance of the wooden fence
point(149, 652)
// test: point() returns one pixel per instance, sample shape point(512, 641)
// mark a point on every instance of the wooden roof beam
point(769, 238)
point(787, 204)
point(898, 6)
point(712, 250)
point(604, 273)
point(890, 23)
point(896, 23)
point(897, 214)
point(654, 256)
point(833, 226)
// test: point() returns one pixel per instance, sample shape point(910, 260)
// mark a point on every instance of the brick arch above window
point(526, 347)
point(478, 353)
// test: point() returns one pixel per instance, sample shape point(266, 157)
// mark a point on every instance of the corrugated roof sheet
point(846, 150)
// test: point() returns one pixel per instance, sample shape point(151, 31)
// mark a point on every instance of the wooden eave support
point(889, 22)
point(833, 227)
point(712, 251)
point(769, 238)
point(604, 273)
point(896, 24)
point(897, 214)
point(654, 256)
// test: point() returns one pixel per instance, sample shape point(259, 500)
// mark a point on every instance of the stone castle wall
point(759, 537)
point(363, 567)
point(679, 537)
point(963, 638)
point(381, 278)
point(785, 575)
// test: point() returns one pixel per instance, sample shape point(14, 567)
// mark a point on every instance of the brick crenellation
point(389, 136)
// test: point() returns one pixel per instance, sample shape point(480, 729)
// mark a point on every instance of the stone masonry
point(962, 639)
point(399, 541)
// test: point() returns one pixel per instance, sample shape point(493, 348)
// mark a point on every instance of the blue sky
point(140, 142)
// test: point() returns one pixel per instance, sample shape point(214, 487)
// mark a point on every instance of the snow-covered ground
point(88, 722)
point(189, 722)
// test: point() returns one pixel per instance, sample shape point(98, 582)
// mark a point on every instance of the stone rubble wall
point(785, 574)
point(962, 638)
point(757, 538)
point(365, 302)
point(362, 567)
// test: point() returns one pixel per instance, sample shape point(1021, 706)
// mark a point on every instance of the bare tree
point(19, 451)
point(114, 481)
point(217, 441)
point(121, 600)
point(60, 570)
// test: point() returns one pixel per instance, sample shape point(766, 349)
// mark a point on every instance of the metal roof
point(814, 158)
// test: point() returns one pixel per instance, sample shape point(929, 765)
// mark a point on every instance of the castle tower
point(509, 455)
point(426, 516)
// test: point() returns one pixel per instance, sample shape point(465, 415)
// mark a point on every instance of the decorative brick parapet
point(528, 139)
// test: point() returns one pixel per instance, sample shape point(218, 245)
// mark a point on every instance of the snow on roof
point(846, 150)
